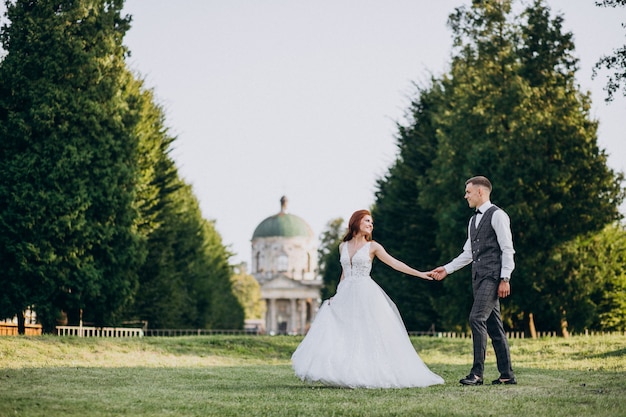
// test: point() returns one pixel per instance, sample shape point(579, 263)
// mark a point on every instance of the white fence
point(200, 332)
point(86, 331)
point(517, 335)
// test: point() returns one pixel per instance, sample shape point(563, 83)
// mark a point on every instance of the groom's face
point(473, 195)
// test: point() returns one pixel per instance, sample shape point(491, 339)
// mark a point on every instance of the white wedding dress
point(358, 339)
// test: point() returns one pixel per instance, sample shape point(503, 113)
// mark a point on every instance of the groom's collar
point(485, 206)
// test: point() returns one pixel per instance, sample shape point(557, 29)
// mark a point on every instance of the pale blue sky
point(300, 98)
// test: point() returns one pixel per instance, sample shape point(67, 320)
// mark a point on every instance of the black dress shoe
point(472, 379)
point(500, 381)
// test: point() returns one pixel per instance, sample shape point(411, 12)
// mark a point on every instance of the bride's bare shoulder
point(375, 245)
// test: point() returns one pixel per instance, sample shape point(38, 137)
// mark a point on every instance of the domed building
point(284, 262)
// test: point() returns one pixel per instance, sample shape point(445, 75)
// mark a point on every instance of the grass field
point(251, 376)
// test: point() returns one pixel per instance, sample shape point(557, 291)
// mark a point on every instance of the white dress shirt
point(502, 226)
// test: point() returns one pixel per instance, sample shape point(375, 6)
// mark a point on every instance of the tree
point(248, 292)
point(221, 310)
point(589, 272)
point(509, 109)
point(160, 299)
point(68, 162)
point(185, 282)
point(403, 226)
point(516, 116)
point(95, 220)
point(615, 62)
point(610, 253)
point(328, 257)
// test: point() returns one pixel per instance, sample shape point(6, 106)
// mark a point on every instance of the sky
point(302, 98)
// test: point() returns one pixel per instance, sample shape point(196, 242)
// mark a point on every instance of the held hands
point(424, 275)
point(438, 273)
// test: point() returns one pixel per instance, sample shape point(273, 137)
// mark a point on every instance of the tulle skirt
point(358, 340)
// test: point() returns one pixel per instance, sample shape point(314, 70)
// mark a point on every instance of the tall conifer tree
point(328, 255)
point(510, 109)
point(67, 162)
point(407, 230)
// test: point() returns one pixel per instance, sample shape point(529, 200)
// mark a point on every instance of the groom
point(489, 248)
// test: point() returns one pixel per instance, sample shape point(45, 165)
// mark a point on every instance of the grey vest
point(486, 252)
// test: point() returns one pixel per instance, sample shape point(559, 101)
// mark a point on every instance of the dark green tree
point(589, 270)
point(223, 310)
point(402, 225)
point(510, 109)
point(185, 282)
point(67, 161)
point(608, 250)
point(160, 300)
point(515, 114)
point(328, 256)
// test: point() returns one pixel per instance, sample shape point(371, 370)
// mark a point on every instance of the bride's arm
point(381, 253)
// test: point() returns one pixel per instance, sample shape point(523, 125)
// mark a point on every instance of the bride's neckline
point(350, 257)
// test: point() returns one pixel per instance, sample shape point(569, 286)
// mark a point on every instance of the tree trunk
point(531, 326)
point(564, 331)
point(21, 323)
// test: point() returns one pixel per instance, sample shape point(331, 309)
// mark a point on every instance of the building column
point(268, 321)
point(293, 317)
point(303, 311)
point(273, 327)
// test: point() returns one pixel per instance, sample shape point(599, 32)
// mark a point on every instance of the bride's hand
point(425, 276)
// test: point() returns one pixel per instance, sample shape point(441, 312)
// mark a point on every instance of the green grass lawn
point(251, 376)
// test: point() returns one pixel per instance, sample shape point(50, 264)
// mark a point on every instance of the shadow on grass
point(611, 354)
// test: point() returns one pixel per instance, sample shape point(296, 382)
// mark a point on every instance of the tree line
point(509, 108)
point(96, 224)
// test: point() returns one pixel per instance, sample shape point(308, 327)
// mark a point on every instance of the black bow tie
point(477, 212)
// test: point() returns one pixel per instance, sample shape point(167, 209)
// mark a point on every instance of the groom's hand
point(438, 273)
point(504, 289)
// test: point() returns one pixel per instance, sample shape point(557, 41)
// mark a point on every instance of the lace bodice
point(361, 264)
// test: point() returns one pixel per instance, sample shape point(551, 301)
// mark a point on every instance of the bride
point(358, 339)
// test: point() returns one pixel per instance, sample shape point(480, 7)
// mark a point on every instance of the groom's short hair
point(480, 180)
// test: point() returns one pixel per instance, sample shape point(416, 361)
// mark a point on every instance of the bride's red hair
point(354, 225)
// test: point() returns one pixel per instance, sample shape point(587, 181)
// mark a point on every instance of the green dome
point(283, 225)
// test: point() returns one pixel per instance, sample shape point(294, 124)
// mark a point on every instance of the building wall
point(287, 270)
point(295, 257)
